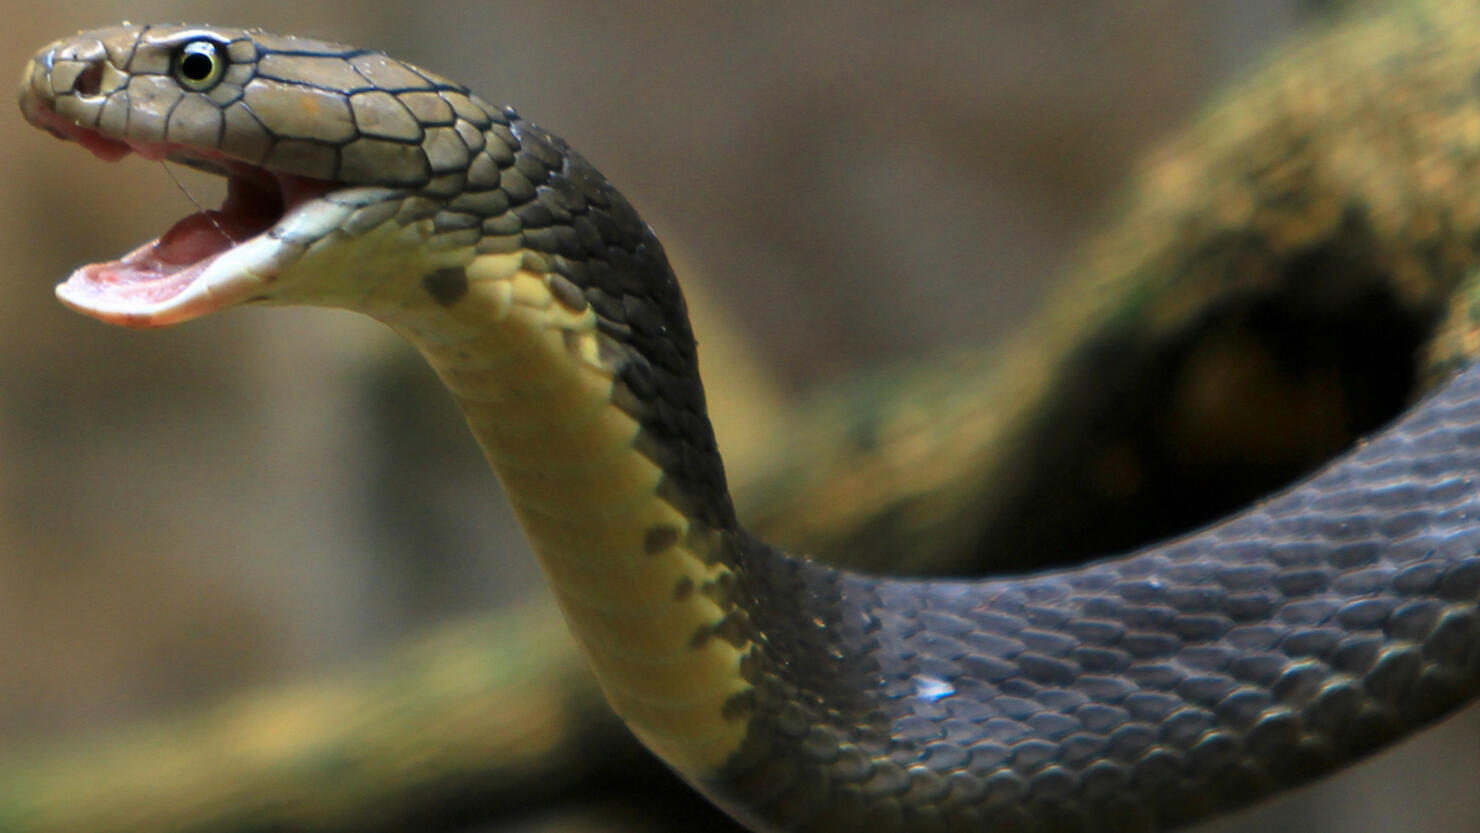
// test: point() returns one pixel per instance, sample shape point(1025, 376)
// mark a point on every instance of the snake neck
point(612, 471)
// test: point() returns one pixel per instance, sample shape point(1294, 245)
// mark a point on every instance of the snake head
point(319, 142)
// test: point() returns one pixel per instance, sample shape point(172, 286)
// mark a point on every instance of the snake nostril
point(90, 80)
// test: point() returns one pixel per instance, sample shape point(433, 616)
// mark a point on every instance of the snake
point(1137, 692)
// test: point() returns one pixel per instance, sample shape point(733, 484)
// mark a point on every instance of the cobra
point(1134, 693)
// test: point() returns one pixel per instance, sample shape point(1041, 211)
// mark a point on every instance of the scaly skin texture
point(1396, 239)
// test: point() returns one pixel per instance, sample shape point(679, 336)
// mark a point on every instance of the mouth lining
point(159, 283)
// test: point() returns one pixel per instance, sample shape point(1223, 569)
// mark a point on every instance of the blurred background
point(250, 498)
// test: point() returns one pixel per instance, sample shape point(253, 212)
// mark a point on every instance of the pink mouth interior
point(157, 271)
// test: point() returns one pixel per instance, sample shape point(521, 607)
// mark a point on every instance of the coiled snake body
point(1131, 694)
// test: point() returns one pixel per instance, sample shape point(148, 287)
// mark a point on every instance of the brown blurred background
point(237, 501)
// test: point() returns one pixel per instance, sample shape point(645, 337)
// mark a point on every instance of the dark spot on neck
point(446, 286)
point(739, 706)
point(735, 628)
point(659, 538)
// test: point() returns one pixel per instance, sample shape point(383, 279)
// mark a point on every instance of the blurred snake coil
point(1331, 255)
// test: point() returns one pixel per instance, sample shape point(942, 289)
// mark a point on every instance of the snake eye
point(199, 65)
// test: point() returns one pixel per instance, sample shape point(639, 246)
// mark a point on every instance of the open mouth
point(170, 279)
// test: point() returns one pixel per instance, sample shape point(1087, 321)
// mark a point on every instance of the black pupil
point(196, 66)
